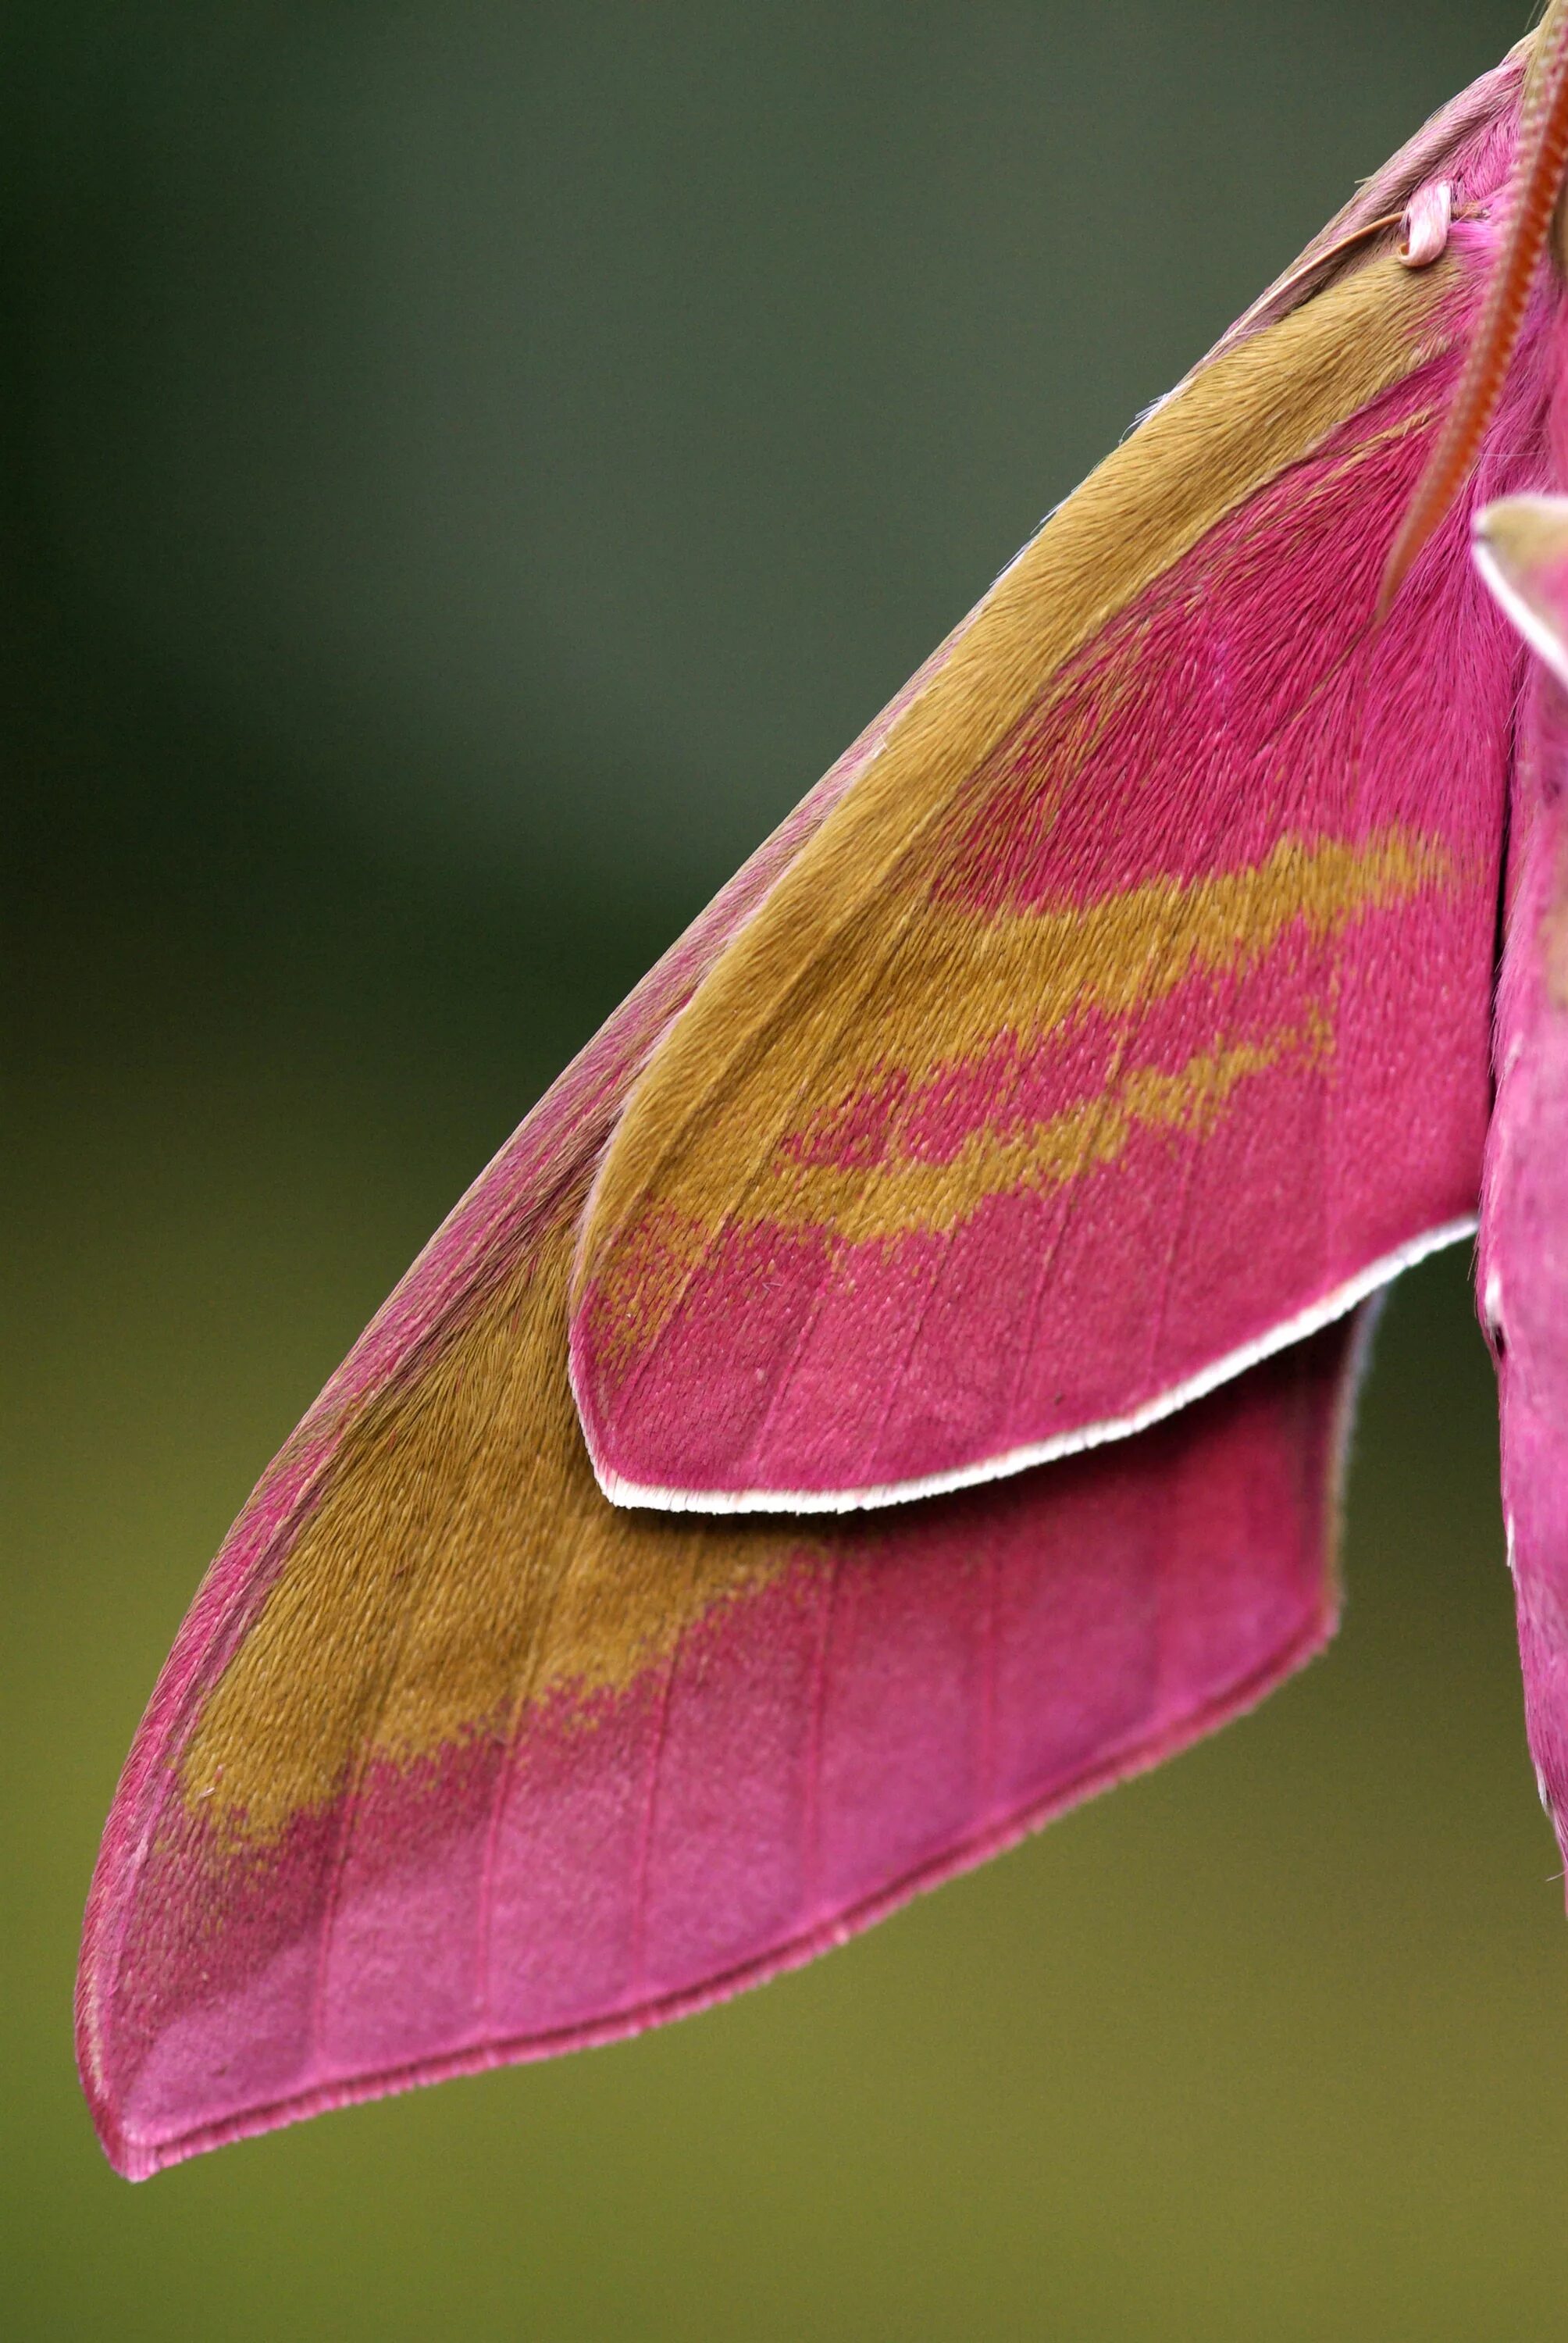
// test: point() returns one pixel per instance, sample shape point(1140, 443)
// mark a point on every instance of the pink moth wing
point(511, 1784)
point(1164, 937)
point(455, 1762)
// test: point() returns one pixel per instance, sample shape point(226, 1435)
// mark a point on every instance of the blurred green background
point(467, 467)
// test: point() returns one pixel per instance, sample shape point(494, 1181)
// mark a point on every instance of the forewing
point(1130, 1014)
point(460, 1764)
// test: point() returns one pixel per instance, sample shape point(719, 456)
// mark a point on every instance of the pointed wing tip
point(137, 2156)
point(132, 2159)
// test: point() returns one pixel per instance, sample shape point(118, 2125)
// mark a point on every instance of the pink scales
point(1523, 1274)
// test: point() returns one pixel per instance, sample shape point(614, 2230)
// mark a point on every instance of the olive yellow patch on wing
point(461, 1565)
point(933, 1198)
point(961, 979)
point(963, 984)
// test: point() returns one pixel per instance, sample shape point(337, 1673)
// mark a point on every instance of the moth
point(896, 1382)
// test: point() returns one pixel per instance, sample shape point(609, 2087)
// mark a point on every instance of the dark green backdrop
point(467, 467)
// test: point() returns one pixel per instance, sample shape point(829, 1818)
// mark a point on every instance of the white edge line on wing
point(1066, 1443)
